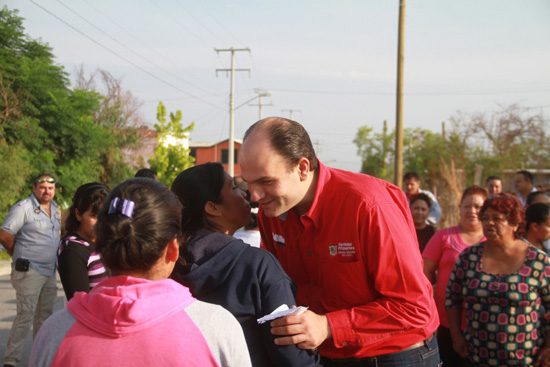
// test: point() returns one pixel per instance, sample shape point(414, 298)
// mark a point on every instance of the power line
point(199, 22)
point(128, 48)
point(458, 93)
point(179, 23)
point(200, 3)
point(123, 58)
point(153, 51)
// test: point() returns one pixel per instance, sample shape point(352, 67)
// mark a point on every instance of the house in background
point(139, 157)
point(216, 152)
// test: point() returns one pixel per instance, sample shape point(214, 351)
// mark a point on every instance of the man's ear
point(303, 168)
point(212, 209)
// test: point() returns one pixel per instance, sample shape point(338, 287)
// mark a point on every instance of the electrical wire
point(123, 58)
point(153, 51)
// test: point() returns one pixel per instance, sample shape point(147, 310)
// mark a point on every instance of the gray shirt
point(36, 234)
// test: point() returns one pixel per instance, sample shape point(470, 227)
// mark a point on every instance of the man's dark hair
point(411, 176)
point(147, 173)
point(288, 138)
point(526, 174)
point(491, 178)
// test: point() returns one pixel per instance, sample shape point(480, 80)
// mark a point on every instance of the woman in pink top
point(440, 256)
point(139, 317)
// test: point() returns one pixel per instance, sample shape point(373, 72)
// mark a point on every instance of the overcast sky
point(332, 62)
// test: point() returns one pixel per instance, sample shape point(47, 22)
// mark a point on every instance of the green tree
point(376, 152)
point(170, 158)
point(45, 126)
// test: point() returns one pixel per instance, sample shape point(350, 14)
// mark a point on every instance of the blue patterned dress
point(502, 310)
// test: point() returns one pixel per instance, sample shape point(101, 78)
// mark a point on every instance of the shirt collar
point(314, 211)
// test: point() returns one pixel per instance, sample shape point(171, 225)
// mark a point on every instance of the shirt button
point(345, 343)
point(309, 253)
point(314, 283)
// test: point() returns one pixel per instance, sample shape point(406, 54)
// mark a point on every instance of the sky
point(333, 63)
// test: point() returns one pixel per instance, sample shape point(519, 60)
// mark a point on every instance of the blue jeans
point(426, 355)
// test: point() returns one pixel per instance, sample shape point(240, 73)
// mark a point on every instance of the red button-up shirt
point(354, 257)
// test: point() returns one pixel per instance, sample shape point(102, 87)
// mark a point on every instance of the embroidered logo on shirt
point(279, 240)
point(343, 251)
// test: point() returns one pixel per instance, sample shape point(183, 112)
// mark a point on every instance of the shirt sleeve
point(73, 269)
point(434, 248)
point(15, 219)
point(453, 292)
point(404, 301)
point(278, 289)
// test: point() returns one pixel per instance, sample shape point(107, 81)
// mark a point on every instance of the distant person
point(420, 209)
point(411, 182)
point(147, 173)
point(79, 265)
point(523, 182)
point(440, 255)
point(537, 197)
point(537, 226)
point(30, 234)
point(501, 283)
point(348, 241)
point(219, 269)
point(139, 317)
point(493, 184)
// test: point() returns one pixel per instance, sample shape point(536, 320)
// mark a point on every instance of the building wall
point(214, 154)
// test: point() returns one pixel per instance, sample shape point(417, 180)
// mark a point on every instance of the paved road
point(7, 311)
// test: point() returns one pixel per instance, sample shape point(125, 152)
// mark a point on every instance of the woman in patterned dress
point(440, 256)
point(502, 283)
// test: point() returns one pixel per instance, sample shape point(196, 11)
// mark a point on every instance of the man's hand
point(307, 330)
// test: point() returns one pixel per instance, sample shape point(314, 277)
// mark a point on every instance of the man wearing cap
point(30, 234)
point(349, 243)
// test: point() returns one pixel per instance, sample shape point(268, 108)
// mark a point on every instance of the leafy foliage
point(477, 145)
point(45, 126)
point(171, 157)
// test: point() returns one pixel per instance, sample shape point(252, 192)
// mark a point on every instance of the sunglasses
point(44, 179)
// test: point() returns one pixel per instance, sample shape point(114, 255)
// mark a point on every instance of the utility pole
point(231, 149)
point(398, 179)
point(261, 93)
point(291, 110)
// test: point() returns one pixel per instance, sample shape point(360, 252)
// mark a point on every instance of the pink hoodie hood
point(124, 305)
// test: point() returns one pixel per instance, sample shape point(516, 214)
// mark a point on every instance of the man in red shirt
point(349, 243)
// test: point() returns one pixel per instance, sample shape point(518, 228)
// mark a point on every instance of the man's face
point(412, 186)
point(44, 191)
point(494, 187)
point(271, 181)
point(521, 184)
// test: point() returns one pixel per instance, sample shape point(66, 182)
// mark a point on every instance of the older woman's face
point(496, 227)
point(469, 210)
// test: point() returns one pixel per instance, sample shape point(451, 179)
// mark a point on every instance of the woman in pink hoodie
point(139, 317)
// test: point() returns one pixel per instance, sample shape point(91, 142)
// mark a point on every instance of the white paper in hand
point(281, 311)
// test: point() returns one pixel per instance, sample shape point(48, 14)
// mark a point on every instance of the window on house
point(225, 156)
